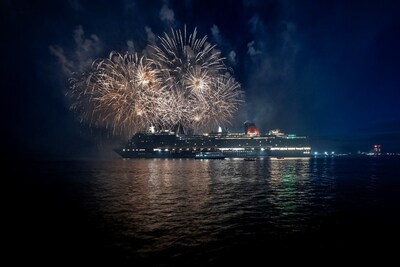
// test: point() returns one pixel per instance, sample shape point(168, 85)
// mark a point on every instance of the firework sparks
point(184, 84)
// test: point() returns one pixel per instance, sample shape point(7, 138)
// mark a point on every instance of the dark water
point(195, 212)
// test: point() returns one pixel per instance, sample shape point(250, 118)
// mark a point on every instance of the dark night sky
point(327, 69)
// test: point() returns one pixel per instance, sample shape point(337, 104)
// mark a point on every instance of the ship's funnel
point(250, 129)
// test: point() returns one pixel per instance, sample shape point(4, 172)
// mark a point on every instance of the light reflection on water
point(183, 211)
point(187, 203)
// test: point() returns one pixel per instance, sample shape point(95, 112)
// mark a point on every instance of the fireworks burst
point(183, 84)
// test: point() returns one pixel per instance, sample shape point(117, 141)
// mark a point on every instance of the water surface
point(197, 212)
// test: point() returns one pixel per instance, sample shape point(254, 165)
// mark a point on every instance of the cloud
point(224, 44)
point(151, 37)
point(250, 3)
point(66, 65)
point(232, 57)
point(131, 46)
point(290, 47)
point(255, 23)
point(279, 48)
point(75, 4)
point(272, 54)
point(167, 14)
point(251, 50)
point(86, 50)
point(289, 44)
point(216, 34)
point(129, 5)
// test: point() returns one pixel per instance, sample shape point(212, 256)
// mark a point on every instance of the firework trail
point(119, 93)
point(184, 84)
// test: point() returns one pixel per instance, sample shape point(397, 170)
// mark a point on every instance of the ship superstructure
point(167, 144)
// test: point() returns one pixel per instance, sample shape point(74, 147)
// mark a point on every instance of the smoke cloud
point(251, 50)
point(131, 46)
point(151, 37)
point(216, 34)
point(167, 14)
point(86, 50)
point(232, 57)
point(271, 67)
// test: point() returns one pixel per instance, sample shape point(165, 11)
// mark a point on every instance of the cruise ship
point(248, 144)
